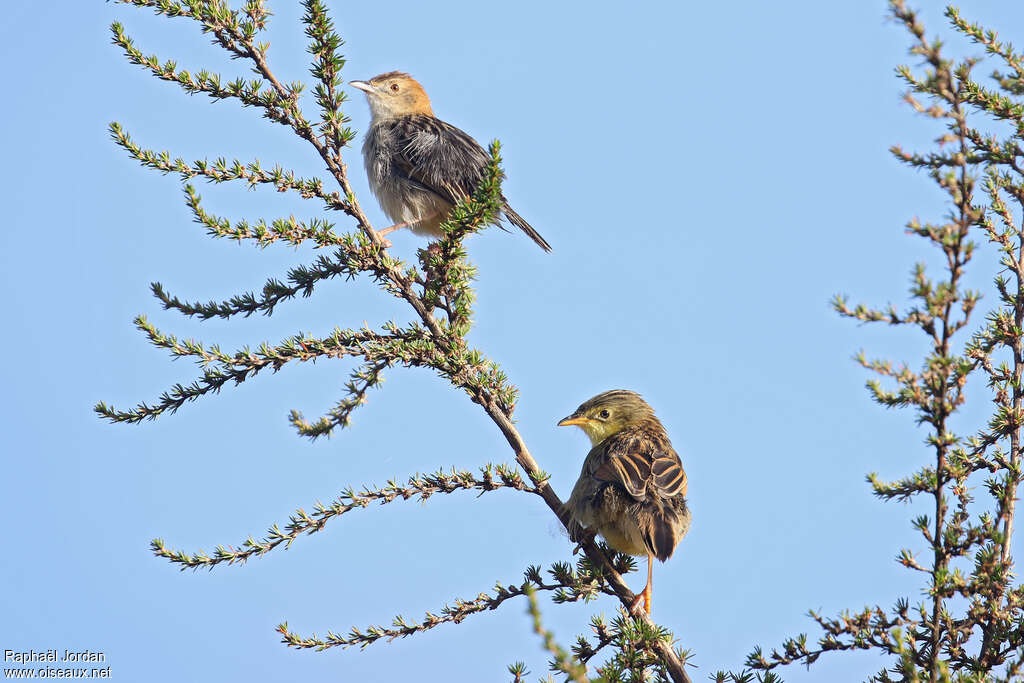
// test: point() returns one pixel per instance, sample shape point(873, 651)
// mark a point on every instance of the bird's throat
point(599, 431)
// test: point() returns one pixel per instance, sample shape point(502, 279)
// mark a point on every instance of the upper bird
point(632, 489)
point(419, 166)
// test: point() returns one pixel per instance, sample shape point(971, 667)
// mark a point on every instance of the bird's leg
point(645, 595)
point(407, 224)
point(391, 228)
point(649, 588)
point(396, 226)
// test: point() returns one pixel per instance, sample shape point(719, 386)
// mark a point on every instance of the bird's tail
point(521, 223)
point(665, 526)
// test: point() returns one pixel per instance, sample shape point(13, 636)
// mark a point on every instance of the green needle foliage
point(439, 296)
point(970, 625)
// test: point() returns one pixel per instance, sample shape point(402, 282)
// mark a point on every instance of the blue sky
point(709, 175)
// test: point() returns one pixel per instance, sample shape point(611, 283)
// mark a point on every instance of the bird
point(418, 166)
point(632, 488)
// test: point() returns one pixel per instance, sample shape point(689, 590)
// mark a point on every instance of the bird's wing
point(641, 463)
point(438, 156)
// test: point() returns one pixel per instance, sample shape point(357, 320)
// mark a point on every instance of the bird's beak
point(573, 420)
point(362, 85)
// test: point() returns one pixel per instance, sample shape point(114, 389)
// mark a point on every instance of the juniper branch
point(400, 628)
point(222, 171)
point(419, 486)
point(583, 650)
point(870, 628)
point(254, 93)
point(221, 368)
point(563, 661)
point(362, 380)
point(303, 281)
point(869, 315)
point(326, 68)
point(294, 232)
point(634, 656)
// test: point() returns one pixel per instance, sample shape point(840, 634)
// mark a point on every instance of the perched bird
point(418, 165)
point(632, 489)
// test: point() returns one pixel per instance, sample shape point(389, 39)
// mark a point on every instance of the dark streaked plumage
point(632, 488)
point(418, 165)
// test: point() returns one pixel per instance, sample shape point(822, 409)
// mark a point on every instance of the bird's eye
point(603, 414)
point(394, 87)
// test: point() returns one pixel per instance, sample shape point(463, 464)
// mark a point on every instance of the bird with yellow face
point(418, 166)
point(632, 489)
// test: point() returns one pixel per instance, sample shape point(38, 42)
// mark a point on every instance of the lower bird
point(632, 489)
point(418, 166)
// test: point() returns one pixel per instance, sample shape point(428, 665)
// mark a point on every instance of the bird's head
point(609, 413)
point(394, 94)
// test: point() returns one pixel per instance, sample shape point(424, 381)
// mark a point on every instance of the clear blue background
point(709, 175)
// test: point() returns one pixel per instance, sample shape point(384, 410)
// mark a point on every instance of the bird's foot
point(635, 607)
point(640, 606)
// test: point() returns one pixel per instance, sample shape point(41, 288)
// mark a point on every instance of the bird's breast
point(402, 199)
point(377, 155)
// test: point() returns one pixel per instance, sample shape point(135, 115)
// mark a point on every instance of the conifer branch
point(302, 279)
point(254, 93)
point(290, 230)
point(563, 661)
point(221, 170)
point(870, 628)
point(363, 379)
point(584, 650)
point(571, 584)
point(221, 368)
point(326, 68)
point(419, 486)
point(869, 315)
